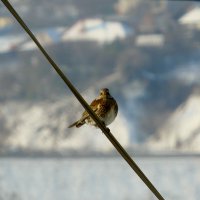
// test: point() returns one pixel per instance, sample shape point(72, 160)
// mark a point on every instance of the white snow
point(44, 126)
point(182, 129)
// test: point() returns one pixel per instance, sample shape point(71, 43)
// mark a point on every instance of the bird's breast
point(110, 116)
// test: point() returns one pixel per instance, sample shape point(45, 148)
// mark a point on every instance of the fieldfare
point(105, 108)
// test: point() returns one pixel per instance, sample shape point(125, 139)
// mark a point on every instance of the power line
point(105, 130)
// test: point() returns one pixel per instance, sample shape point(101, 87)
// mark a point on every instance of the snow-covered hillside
point(182, 129)
point(44, 126)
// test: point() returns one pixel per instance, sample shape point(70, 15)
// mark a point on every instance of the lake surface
point(97, 179)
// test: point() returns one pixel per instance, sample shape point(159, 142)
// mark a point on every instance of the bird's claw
point(107, 129)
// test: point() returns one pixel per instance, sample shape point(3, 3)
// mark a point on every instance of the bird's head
point(104, 93)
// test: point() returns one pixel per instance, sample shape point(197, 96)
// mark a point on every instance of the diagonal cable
point(105, 130)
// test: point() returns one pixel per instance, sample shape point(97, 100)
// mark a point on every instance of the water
point(97, 179)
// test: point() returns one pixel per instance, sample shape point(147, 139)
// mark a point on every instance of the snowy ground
point(99, 179)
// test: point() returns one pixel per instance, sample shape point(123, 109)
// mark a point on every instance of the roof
point(10, 42)
point(150, 40)
point(97, 30)
point(46, 37)
point(5, 21)
point(191, 17)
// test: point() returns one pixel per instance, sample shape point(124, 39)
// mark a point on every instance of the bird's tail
point(77, 124)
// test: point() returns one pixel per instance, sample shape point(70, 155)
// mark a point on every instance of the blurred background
point(147, 54)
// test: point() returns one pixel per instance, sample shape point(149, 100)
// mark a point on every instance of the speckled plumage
point(104, 106)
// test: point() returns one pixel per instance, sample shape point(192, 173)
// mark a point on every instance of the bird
point(104, 106)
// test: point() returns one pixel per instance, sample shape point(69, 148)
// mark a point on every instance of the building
point(191, 19)
point(5, 21)
point(123, 6)
point(150, 40)
point(6, 25)
point(97, 30)
point(49, 36)
point(9, 43)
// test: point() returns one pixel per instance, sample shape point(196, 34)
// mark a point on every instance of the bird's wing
point(94, 107)
point(104, 107)
point(100, 107)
